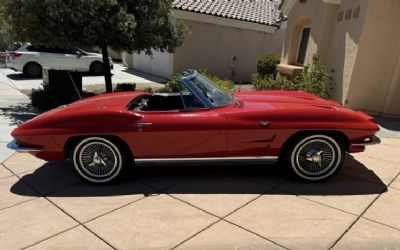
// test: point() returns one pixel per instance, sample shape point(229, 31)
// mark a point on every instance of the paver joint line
point(52, 236)
point(132, 202)
point(7, 160)
point(223, 218)
point(62, 210)
point(361, 215)
point(115, 209)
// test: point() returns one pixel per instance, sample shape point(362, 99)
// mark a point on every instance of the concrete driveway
point(43, 205)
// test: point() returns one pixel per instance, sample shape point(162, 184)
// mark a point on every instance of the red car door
point(181, 134)
point(248, 132)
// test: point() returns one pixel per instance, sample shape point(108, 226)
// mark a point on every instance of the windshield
point(216, 96)
point(14, 47)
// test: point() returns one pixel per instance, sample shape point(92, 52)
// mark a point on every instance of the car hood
point(296, 103)
point(281, 99)
point(93, 54)
point(277, 99)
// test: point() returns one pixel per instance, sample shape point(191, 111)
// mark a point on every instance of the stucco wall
point(307, 14)
point(335, 39)
point(359, 42)
point(375, 81)
point(343, 50)
point(213, 46)
point(159, 64)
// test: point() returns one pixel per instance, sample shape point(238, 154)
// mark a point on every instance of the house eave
point(205, 18)
point(287, 6)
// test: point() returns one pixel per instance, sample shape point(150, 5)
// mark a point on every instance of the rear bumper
point(371, 141)
point(14, 146)
point(14, 66)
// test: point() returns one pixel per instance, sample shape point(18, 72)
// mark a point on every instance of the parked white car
point(31, 59)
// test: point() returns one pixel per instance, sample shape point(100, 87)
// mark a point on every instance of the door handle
point(264, 123)
point(144, 124)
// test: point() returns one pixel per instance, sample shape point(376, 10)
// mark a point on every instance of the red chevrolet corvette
point(102, 135)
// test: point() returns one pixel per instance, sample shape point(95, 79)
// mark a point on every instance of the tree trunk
point(107, 70)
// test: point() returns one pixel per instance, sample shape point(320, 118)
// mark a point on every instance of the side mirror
point(78, 54)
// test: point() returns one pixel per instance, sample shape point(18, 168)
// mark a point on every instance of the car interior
point(165, 102)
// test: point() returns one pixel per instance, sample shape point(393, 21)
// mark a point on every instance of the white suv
point(31, 59)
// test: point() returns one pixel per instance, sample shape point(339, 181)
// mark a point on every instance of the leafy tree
point(131, 25)
point(2, 27)
point(2, 16)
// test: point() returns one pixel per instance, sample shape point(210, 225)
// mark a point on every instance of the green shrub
point(226, 85)
point(121, 87)
point(49, 97)
point(314, 80)
point(266, 65)
point(269, 83)
point(147, 90)
point(163, 90)
point(172, 86)
point(41, 100)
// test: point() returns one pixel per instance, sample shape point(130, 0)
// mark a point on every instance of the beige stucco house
point(358, 41)
point(226, 37)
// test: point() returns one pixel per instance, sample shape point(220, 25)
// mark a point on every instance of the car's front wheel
point(315, 157)
point(97, 68)
point(98, 160)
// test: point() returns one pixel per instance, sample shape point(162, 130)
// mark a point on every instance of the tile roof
point(265, 12)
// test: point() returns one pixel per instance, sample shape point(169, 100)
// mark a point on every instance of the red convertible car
point(101, 136)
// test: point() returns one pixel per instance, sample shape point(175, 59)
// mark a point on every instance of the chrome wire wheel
point(316, 157)
point(97, 159)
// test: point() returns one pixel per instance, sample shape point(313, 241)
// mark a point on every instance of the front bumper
point(14, 146)
point(370, 141)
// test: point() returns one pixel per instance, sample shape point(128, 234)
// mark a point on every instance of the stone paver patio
point(44, 205)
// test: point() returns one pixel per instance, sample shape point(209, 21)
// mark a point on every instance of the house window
point(301, 56)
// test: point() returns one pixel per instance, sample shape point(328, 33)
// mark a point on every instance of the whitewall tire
point(98, 160)
point(315, 157)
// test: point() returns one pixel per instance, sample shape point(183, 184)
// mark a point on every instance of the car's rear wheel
point(98, 160)
point(315, 157)
point(33, 69)
point(97, 68)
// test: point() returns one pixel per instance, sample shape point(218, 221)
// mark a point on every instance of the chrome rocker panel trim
point(374, 140)
point(14, 146)
point(246, 158)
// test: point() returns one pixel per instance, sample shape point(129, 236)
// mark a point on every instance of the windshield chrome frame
point(186, 80)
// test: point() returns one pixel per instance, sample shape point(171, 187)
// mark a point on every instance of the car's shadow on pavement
point(56, 179)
